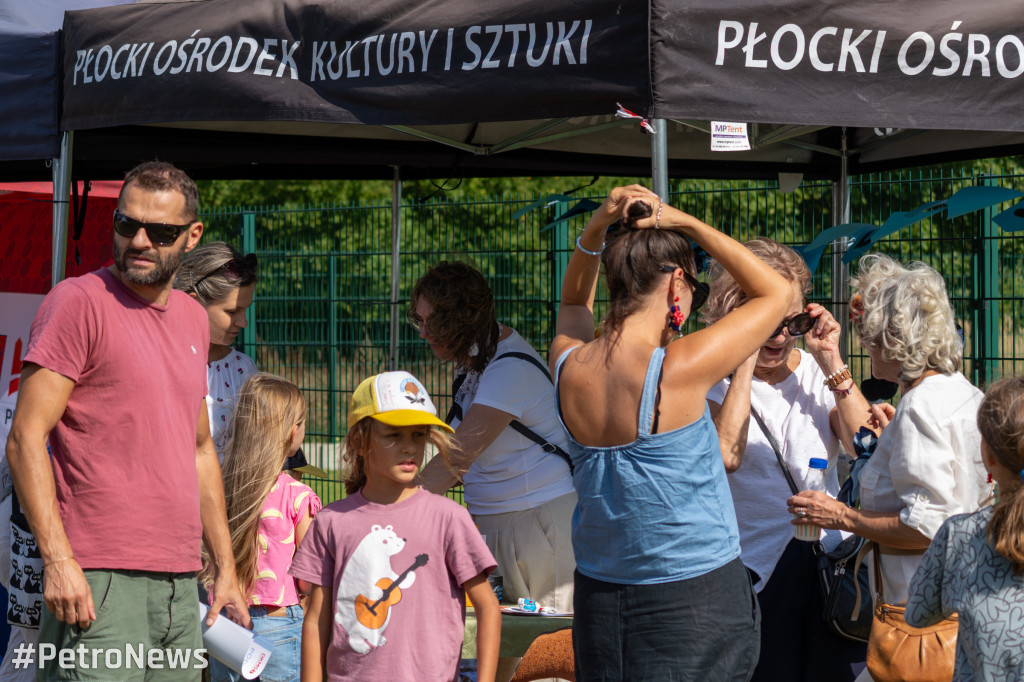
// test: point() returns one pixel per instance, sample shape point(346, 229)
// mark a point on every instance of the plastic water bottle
point(815, 481)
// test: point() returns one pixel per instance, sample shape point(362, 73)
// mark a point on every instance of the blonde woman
point(268, 513)
point(808, 417)
point(927, 464)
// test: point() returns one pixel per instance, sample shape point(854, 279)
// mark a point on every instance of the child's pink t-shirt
point(288, 503)
point(428, 546)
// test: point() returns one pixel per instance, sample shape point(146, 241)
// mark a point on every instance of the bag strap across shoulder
point(515, 424)
point(523, 429)
point(775, 448)
point(818, 549)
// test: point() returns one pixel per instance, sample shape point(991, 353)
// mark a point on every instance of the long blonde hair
point(267, 408)
point(357, 449)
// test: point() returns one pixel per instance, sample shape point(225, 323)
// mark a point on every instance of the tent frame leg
point(659, 158)
point(61, 201)
point(396, 271)
point(840, 270)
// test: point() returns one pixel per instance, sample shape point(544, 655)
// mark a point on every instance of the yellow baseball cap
point(394, 398)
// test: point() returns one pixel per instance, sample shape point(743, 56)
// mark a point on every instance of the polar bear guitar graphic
point(374, 614)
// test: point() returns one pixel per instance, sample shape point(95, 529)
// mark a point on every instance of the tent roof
point(306, 88)
point(29, 79)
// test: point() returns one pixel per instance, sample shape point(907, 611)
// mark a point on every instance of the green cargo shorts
point(146, 629)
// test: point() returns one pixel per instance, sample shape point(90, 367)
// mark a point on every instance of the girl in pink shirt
point(269, 513)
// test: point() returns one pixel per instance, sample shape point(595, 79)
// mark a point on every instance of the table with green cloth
point(517, 632)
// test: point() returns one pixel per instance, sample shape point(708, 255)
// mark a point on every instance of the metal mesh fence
point(323, 311)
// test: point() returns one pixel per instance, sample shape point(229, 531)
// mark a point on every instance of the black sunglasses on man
point(163, 234)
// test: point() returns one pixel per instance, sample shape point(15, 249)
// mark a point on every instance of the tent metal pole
point(396, 234)
point(659, 158)
point(61, 167)
point(840, 270)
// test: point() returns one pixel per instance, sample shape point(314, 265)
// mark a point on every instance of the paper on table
point(545, 611)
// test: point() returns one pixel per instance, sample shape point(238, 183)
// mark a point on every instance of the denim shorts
point(286, 634)
point(704, 629)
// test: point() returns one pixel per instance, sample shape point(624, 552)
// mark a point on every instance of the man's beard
point(164, 271)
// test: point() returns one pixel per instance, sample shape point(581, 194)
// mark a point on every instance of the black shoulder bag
point(515, 424)
point(843, 609)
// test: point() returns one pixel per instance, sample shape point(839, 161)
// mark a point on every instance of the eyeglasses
point(701, 290)
point(235, 270)
point(158, 233)
point(798, 325)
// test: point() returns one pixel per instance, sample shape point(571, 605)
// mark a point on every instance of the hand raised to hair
point(616, 205)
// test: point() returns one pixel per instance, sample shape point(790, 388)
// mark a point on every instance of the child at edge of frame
point(389, 566)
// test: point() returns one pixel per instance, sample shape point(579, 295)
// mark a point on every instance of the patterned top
point(225, 378)
point(961, 572)
point(288, 503)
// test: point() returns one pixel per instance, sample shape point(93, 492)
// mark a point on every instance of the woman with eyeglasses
point(510, 452)
point(809, 404)
point(661, 593)
point(224, 282)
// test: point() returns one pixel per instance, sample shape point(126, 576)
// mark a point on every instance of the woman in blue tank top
point(660, 592)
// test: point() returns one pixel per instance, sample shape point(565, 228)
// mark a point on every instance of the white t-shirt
point(225, 378)
point(514, 473)
point(926, 466)
point(796, 412)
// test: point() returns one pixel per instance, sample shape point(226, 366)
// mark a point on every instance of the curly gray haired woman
point(926, 465)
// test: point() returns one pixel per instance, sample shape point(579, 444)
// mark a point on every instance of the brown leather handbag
point(898, 652)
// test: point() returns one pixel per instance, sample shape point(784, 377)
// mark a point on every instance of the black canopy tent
point(299, 88)
point(335, 88)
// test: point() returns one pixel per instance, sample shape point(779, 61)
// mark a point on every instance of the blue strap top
point(655, 510)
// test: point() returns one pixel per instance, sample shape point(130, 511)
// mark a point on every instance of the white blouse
point(796, 412)
point(926, 466)
point(224, 378)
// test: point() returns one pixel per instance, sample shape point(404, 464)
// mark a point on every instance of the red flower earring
point(676, 318)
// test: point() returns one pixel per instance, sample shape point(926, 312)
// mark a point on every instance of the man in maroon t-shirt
point(115, 379)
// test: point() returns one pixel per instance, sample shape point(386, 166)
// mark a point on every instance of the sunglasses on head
point(798, 325)
point(701, 290)
point(158, 233)
point(235, 270)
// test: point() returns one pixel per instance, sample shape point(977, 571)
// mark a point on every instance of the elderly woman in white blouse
point(927, 464)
